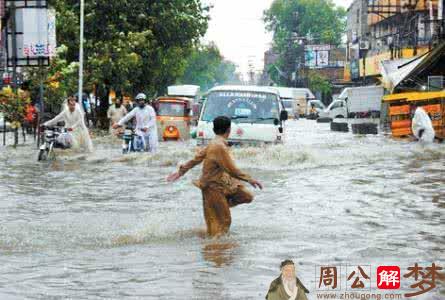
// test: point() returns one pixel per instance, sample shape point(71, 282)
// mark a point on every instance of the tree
point(60, 79)
point(206, 67)
point(319, 83)
point(131, 46)
point(291, 21)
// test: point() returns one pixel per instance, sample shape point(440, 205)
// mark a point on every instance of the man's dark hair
point(286, 263)
point(221, 125)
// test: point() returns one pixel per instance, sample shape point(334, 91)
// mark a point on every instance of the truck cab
point(337, 109)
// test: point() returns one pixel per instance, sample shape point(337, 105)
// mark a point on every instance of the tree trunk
point(101, 111)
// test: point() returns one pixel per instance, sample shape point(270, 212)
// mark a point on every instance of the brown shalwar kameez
point(220, 185)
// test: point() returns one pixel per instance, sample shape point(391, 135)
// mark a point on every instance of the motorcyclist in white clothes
point(145, 123)
point(74, 119)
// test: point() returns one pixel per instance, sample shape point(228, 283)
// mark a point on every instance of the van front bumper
point(246, 143)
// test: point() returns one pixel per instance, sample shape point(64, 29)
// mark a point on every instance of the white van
point(257, 114)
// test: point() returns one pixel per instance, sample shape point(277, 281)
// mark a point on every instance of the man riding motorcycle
point(145, 123)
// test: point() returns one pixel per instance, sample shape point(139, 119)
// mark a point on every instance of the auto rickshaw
point(173, 118)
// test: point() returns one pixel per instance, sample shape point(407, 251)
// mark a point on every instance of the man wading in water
point(219, 182)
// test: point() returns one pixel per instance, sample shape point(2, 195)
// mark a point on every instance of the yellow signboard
point(372, 66)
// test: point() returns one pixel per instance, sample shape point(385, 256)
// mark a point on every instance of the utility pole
point(251, 72)
point(80, 91)
point(12, 11)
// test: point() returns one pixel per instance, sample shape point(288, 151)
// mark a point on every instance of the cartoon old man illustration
point(287, 286)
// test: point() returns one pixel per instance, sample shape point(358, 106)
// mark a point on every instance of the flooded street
point(111, 227)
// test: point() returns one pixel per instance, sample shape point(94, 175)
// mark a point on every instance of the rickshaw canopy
point(414, 96)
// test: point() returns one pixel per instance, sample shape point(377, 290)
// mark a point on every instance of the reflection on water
point(108, 225)
point(219, 252)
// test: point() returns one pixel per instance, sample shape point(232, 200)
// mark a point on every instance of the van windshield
point(242, 107)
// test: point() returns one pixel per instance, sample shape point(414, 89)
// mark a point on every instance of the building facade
point(380, 30)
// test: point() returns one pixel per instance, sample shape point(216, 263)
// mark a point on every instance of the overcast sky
point(238, 30)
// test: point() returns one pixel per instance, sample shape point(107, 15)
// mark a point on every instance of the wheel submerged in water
point(340, 127)
point(365, 128)
point(324, 120)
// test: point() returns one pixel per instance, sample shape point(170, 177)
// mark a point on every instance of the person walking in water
point(115, 113)
point(220, 180)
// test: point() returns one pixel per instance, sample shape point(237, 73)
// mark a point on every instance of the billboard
point(35, 37)
point(317, 56)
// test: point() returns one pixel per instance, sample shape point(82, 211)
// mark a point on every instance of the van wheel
point(339, 127)
point(365, 128)
point(339, 117)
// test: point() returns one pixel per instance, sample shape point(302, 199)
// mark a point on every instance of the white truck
point(357, 102)
point(295, 100)
point(359, 107)
point(189, 91)
point(257, 115)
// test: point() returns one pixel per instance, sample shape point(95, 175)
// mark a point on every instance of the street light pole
point(80, 91)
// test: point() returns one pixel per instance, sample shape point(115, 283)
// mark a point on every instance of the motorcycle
point(51, 136)
point(131, 142)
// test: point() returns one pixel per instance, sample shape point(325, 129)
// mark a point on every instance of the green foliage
point(206, 67)
point(60, 79)
point(319, 83)
point(130, 45)
point(13, 106)
point(318, 21)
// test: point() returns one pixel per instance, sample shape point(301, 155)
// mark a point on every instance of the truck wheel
point(339, 127)
point(365, 128)
point(324, 120)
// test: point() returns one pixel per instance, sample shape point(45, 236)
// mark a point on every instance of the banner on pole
point(26, 3)
point(35, 37)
